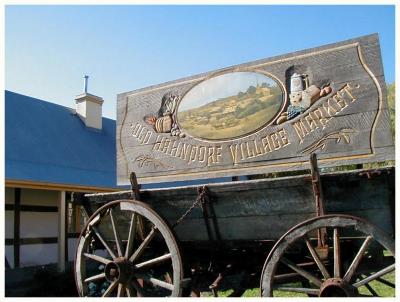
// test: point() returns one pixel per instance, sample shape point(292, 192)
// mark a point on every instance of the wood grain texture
point(350, 125)
point(265, 209)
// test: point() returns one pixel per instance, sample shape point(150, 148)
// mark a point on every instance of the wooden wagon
point(317, 231)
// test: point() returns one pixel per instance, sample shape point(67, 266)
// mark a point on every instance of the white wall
point(9, 251)
point(9, 196)
point(33, 225)
point(9, 225)
point(38, 224)
point(39, 197)
point(38, 254)
point(72, 245)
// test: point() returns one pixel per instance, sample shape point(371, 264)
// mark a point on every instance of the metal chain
point(199, 199)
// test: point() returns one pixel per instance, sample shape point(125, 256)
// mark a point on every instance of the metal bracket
point(317, 186)
point(319, 199)
point(208, 212)
point(80, 199)
point(204, 201)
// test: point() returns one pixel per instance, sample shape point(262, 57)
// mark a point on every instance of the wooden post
point(17, 220)
point(66, 228)
point(61, 231)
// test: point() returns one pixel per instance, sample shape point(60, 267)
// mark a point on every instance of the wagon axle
point(336, 287)
point(120, 270)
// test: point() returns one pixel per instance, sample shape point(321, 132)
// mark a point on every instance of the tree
point(251, 90)
point(391, 92)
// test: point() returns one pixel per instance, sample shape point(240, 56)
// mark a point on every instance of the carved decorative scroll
point(339, 136)
point(146, 160)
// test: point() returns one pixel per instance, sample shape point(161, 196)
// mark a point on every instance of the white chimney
point(88, 108)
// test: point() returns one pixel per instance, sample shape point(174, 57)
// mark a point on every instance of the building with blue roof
point(48, 144)
point(51, 151)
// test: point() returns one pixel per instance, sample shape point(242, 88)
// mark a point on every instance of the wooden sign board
point(264, 116)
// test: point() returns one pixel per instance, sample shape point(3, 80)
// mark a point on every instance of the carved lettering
point(328, 108)
point(347, 89)
point(266, 145)
point(275, 141)
point(320, 116)
point(185, 151)
point(317, 118)
point(157, 144)
point(193, 154)
point(340, 102)
point(234, 152)
point(141, 133)
point(174, 148)
point(258, 146)
point(300, 129)
point(166, 145)
point(219, 154)
point(202, 154)
point(284, 137)
point(250, 151)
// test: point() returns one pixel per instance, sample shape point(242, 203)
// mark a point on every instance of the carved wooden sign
point(259, 117)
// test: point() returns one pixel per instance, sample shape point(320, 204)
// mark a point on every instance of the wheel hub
point(335, 287)
point(119, 270)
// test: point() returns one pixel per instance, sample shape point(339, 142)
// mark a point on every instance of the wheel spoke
point(110, 289)
point(121, 290)
point(95, 277)
point(140, 228)
point(131, 236)
point(155, 281)
point(116, 234)
point(97, 258)
point(353, 266)
point(138, 288)
point(336, 253)
point(144, 244)
point(302, 272)
point(383, 281)
point(283, 277)
point(308, 291)
point(103, 241)
point(317, 260)
point(376, 275)
point(153, 261)
point(371, 290)
point(129, 291)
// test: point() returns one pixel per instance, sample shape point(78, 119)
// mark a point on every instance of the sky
point(48, 49)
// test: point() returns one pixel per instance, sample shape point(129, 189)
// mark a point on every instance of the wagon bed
point(264, 209)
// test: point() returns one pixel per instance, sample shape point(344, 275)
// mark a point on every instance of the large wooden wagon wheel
point(355, 260)
point(126, 249)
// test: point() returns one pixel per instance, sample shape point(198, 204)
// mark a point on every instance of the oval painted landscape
point(230, 105)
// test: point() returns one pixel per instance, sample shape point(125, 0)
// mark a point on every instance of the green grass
point(381, 289)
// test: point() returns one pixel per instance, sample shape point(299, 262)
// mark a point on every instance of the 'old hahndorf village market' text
point(212, 154)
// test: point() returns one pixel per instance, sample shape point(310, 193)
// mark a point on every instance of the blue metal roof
point(45, 142)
